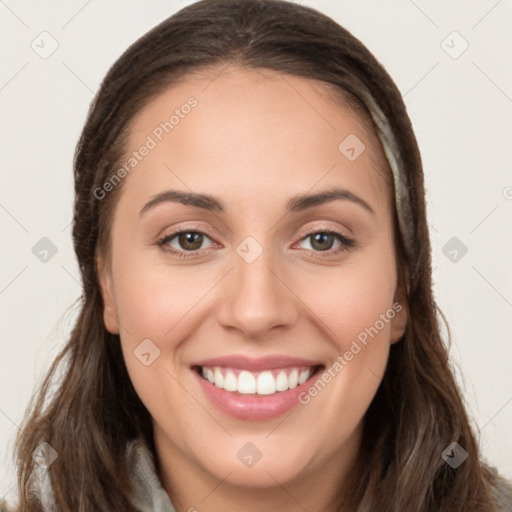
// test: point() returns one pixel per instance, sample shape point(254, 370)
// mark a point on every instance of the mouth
point(255, 389)
point(266, 382)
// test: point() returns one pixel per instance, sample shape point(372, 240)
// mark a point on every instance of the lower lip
point(253, 407)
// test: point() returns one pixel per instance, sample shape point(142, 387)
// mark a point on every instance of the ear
point(106, 288)
point(399, 321)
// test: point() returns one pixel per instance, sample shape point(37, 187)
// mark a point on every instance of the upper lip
point(263, 363)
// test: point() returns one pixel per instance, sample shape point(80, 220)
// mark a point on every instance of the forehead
point(254, 131)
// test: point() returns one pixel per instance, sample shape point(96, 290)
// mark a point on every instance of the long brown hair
point(418, 409)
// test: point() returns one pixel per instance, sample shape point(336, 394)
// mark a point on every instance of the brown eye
point(323, 241)
point(183, 242)
point(190, 240)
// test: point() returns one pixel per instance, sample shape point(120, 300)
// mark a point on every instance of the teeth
point(264, 383)
point(208, 374)
point(304, 376)
point(293, 379)
point(246, 383)
point(281, 381)
point(219, 378)
point(230, 382)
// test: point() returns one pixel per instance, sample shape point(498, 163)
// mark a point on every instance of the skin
point(254, 140)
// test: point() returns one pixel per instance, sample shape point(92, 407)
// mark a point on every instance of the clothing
point(149, 495)
point(502, 493)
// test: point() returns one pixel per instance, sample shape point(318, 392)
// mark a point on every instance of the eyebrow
point(297, 203)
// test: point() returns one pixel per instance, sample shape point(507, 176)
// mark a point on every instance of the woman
point(250, 371)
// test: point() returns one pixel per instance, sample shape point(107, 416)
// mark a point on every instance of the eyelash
point(347, 243)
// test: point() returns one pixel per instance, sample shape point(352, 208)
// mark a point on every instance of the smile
point(255, 389)
point(267, 382)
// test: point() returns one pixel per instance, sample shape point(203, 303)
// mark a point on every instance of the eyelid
point(325, 229)
point(170, 232)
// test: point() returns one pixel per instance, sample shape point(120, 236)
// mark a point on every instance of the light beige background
point(461, 109)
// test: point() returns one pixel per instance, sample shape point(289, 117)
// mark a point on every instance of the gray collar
point(149, 495)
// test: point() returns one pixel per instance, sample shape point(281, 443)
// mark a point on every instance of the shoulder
point(502, 492)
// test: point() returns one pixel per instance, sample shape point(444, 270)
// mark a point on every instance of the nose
point(257, 298)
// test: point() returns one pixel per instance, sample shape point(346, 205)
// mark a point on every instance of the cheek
point(151, 309)
point(158, 387)
point(156, 303)
point(359, 316)
point(355, 304)
point(151, 298)
point(352, 297)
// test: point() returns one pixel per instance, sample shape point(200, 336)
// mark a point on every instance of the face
point(255, 324)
